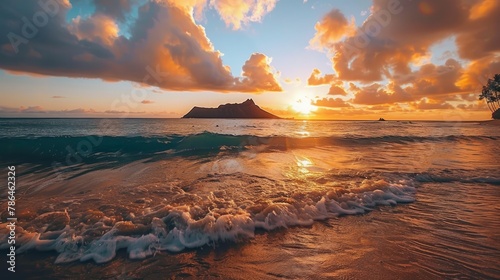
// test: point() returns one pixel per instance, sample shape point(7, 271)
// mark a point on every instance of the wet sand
point(423, 240)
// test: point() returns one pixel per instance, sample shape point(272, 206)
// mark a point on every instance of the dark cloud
point(118, 9)
point(479, 37)
point(435, 80)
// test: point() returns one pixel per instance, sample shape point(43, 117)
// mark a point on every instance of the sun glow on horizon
point(303, 107)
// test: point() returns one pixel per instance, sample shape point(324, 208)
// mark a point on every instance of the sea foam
point(177, 228)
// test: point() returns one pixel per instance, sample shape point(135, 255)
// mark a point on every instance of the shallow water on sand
point(427, 239)
point(277, 199)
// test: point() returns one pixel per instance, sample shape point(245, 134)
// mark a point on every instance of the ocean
point(250, 199)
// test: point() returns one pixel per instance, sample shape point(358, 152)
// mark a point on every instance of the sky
point(307, 59)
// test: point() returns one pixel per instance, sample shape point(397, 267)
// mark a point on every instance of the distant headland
point(245, 110)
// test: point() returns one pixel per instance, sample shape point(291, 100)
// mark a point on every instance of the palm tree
point(491, 93)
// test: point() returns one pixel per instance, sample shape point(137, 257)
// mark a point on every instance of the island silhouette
point(245, 110)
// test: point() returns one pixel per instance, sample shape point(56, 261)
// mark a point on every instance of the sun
point(303, 107)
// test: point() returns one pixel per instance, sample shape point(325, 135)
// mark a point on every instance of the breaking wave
point(193, 219)
point(101, 147)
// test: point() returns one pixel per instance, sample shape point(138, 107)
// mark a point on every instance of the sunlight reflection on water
point(303, 164)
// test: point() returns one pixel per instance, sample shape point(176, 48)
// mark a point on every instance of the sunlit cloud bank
point(384, 62)
point(166, 47)
point(380, 62)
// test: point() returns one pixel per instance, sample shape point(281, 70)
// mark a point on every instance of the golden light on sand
point(303, 106)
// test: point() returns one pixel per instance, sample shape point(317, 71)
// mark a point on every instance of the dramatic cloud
point(166, 48)
point(394, 36)
point(118, 9)
point(257, 74)
point(435, 80)
point(332, 27)
point(98, 28)
point(479, 37)
point(378, 94)
point(478, 72)
point(397, 36)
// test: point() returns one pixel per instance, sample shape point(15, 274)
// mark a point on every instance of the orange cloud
point(316, 78)
point(257, 74)
point(482, 8)
point(378, 94)
point(425, 105)
point(394, 44)
point(336, 89)
point(332, 103)
point(195, 7)
point(435, 80)
point(477, 106)
point(336, 86)
point(479, 37)
point(166, 49)
point(478, 72)
point(237, 13)
point(392, 38)
point(332, 27)
point(98, 28)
